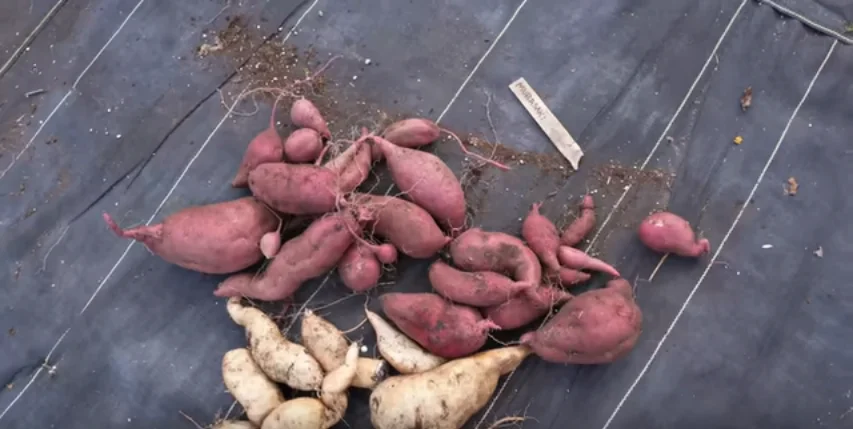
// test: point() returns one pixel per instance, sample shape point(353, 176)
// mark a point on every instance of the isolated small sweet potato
point(525, 308)
point(407, 226)
point(478, 250)
point(311, 254)
point(265, 147)
point(304, 114)
point(667, 232)
point(426, 180)
point(442, 328)
point(303, 145)
point(359, 269)
point(217, 238)
point(478, 289)
point(595, 327)
point(542, 237)
point(582, 226)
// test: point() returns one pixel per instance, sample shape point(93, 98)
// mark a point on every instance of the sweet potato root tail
point(472, 154)
point(703, 246)
point(145, 234)
point(236, 285)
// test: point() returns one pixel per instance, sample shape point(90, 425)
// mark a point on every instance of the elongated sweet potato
point(526, 308)
point(217, 238)
point(582, 226)
point(444, 329)
point(444, 397)
point(265, 147)
point(577, 259)
point(303, 145)
point(304, 114)
point(405, 355)
point(667, 232)
point(412, 133)
point(595, 327)
point(311, 254)
point(478, 289)
point(478, 250)
point(542, 237)
point(427, 181)
point(407, 226)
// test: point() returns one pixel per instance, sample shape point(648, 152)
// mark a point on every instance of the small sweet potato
point(412, 132)
point(444, 329)
point(311, 254)
point(595, 327)
point(217, 238)
point(478, 250)
point(478, 289)
point(582, 226)
point(405, 355)
point(667, 232)
point(406, 225)
point(265, 147)
point(542, 237)
point(303, 145)
point(249, 386)
point(523, 309)
point(359, 269)
point(578, 260)
point(304, 114)
point(270, 243)
point(427, 181)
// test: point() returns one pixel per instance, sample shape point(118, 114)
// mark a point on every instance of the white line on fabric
point(33, 138)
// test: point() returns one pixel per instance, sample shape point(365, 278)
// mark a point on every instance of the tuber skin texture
point(217, 238)
point(596, 327)
point(582, 226)
point(281, 360)
point(577, 259)
point(249, 386)
point(478, 250)
point(311, 254)
point(407, 226)
point(427, 181)
point(359, 269)
point(444, 329)
point(478, 289)
point(666, 232)
point(304, 114)
point(542, 237)
point(303, 145)
point(523, 309)
point(405, 355)
point(265, 147)
point(444, 397)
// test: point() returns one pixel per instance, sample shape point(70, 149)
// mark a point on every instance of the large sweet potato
point(407, 226)
point(217, 238)
point(478, 250)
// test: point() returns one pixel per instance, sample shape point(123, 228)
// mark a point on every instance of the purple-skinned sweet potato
point(477, 289)
point(667, 232)
point(442, 328)
point(404, 224)
point(596, 327)
point(526, 308)
point(217, 238)
point(309, 255)
point(479, 250)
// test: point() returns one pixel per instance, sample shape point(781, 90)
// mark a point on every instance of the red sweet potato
point(427, 181)
point(354, 168)
point(568, 277)
point(667, 232)
point(303, 145)
point(265, 147)
point(582, 226)
point(304, 114)
point(311, 254)
point(412, 133)
point(408, 227)
point(478, 250)
point(359, 269)
point(270, 243)
point(526, 308)
point(444, 329)
point(478, 289)
point(542, 237)
point(573, 258)
point(216, 238)
point(595, 327)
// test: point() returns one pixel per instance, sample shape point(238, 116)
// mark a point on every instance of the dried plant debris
point(792, 186)
point(547, 163)
point(746, 98)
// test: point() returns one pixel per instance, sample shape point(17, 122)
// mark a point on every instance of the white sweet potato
point(248, 384)
point(405, 355)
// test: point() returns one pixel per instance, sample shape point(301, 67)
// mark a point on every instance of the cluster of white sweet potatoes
point(492, 280)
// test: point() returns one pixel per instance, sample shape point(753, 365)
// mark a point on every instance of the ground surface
point(97, 332)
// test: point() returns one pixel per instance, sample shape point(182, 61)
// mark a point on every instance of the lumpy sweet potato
point(582, 226)
point(667, 232)
point(265, 147)
point(478, 289)
point(478, 250)
point(526, 308)
point(595, 327)
point(442, 328)
point(427, 181)
point(407, 226)
point(311, 254)
point(359, 269)
point(217, 238)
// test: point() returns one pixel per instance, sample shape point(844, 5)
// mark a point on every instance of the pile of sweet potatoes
point(486, 281)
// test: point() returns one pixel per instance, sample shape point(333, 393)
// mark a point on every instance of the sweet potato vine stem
point(472, 154)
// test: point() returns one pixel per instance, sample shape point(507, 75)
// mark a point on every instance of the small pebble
point(367, 62)
point(354, 77)
point(320, 12)
point(767, 246)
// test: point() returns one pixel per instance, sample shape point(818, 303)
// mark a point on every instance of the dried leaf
point(746, 99)
point(793, 186)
